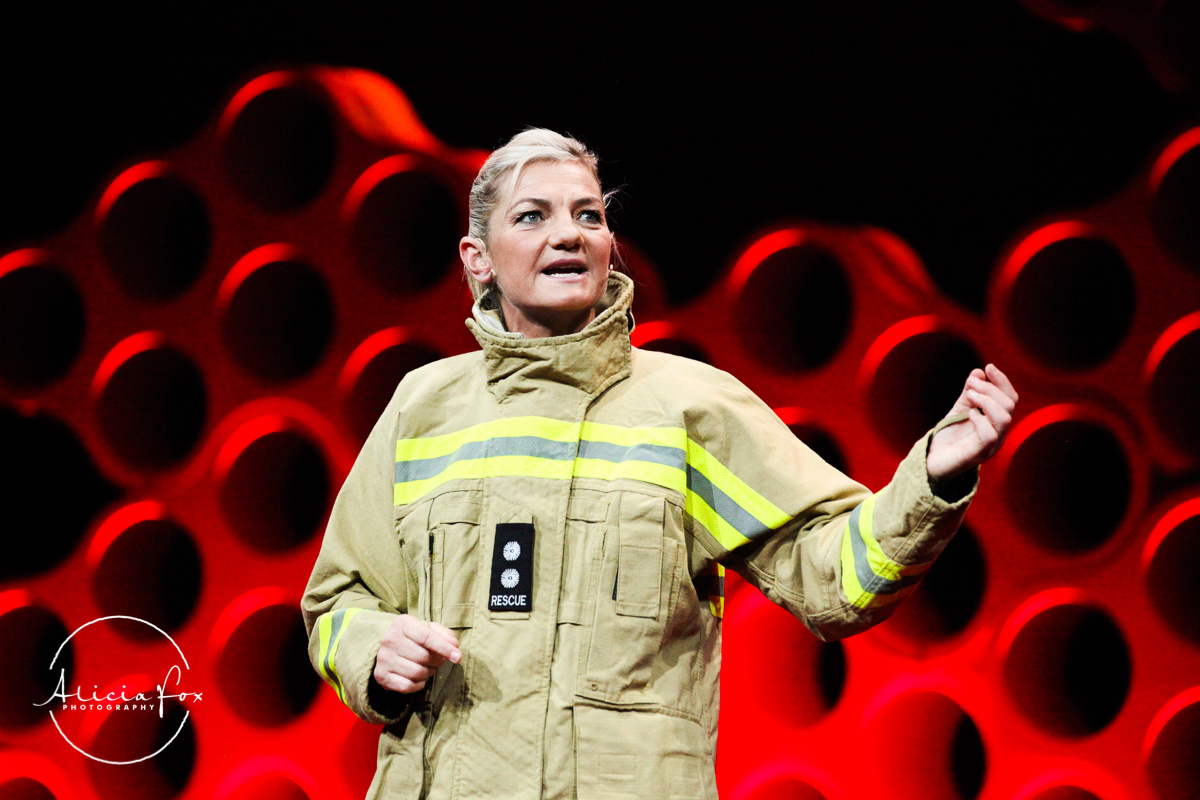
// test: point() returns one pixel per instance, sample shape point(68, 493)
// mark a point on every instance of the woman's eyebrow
point(537, 202)
point(540, 202)
point(543, 203)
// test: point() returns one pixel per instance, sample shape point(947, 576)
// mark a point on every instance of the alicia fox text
point(114, 700)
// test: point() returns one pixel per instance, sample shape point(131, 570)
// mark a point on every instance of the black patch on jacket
point(512, 568)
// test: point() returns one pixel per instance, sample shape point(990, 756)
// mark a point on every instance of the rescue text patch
point(512, 568)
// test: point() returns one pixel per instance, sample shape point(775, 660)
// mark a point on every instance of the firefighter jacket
point(567, 505)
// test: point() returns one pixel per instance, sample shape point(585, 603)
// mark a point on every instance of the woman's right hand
point(411, 651)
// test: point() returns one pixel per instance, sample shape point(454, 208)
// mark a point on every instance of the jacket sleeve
point(359, 583)
point(811, 539)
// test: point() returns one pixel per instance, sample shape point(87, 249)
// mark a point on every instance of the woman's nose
point(564, 233)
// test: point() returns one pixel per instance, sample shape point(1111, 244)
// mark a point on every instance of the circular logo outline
point(509, 578)
point(182, 722)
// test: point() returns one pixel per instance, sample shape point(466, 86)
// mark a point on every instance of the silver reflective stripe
point(335, 625)
point(725, 506)
point(728, 509)
point(867, 579)
point(652, 453)
point(535, 446)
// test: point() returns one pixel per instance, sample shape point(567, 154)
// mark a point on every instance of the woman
point(520, 577)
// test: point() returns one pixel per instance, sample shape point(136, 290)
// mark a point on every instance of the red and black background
point(224, 239)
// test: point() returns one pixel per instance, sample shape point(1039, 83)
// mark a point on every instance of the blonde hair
point(530, 146)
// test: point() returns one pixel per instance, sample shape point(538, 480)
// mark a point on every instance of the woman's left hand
point(989, 399)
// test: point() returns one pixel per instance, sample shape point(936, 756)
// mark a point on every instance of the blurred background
point(223, 241)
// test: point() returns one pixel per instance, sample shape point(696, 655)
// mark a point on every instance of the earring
point(610, 266)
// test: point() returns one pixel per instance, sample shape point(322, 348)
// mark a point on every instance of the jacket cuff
point(343, 647)
point(954, 490)
point(930, 517)
point(387, 705)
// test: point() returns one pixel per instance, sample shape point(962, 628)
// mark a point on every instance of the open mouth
point(568, 269)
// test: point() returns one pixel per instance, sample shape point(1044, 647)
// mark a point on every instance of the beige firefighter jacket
point(638, 473)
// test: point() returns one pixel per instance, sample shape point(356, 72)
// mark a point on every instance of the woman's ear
point(475, 259)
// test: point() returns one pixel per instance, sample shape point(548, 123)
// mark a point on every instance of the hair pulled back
point(503, 169)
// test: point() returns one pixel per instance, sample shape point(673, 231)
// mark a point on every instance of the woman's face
point(548, 248)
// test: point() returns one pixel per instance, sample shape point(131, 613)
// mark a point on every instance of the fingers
point(993, 391)
point(978, 378)
point(991, 419)
point(1001, 380)
point(446, 634)
point(402, 673)
point(424, 643)
point(996, 413)
point(990, 400)
point(411, 651)
point(396, 682)
point(435, 638)
point(986, 432)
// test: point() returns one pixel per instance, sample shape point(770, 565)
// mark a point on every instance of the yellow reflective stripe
point(723, 503)
point(527, 467)
point(881, 565)
point(328, 645)
point(494, 467)
point(437, 446)
point(534, 467)
point(853, 590)
point(719, 475)
point(324, 624)
point(645, 471)
point(716, 603)
point(729, 536)
point(628, 437)
point(350, 612)
point(409, 491)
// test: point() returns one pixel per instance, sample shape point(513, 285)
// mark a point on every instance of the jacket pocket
point(439, 548)
point(637, 585)
point(586, 516)
point(412, 531)
point(641, 754)
point(454, 521)
point(634, 575)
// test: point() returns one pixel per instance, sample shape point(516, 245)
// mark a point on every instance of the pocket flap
point(459, 616)
point(641, 522)
point(587, 509)
point(452, 511)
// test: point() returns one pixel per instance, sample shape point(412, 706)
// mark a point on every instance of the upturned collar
point(590, 360)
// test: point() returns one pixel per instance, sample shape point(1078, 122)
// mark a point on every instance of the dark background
point(951, 124)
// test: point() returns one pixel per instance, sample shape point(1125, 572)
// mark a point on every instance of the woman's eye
point(526, 217)
point(591, 216)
